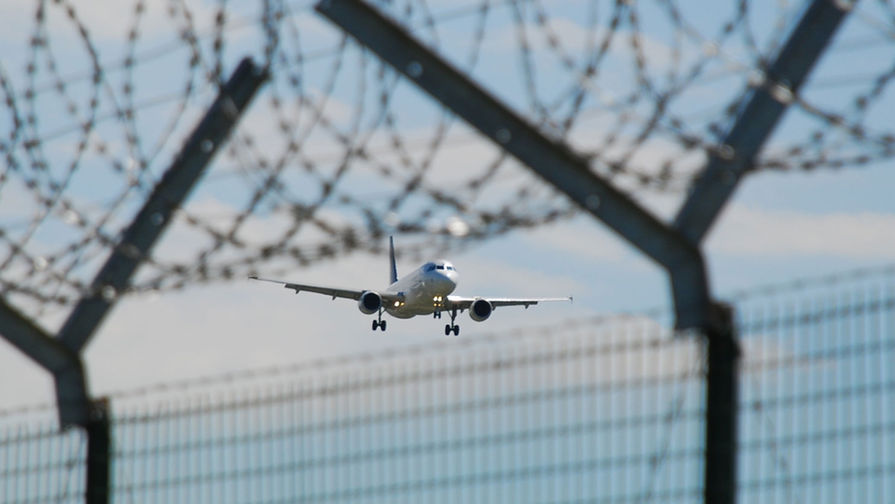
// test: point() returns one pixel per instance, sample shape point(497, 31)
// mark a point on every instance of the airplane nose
point(449, 280)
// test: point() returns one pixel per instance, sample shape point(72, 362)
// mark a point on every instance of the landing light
point(397, 304)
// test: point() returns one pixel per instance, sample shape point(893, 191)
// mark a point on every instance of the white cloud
point(583, 238)
point(95, 15)
point(745, 230)
point(491, 276)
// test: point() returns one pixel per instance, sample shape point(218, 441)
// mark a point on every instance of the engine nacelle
point(480, 310)
point(369, 302)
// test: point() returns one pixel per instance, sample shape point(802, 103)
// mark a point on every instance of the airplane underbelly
point(422, 302)
point(409, 309)
point(400, 313)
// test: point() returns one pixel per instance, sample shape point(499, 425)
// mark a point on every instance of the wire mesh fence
point(495, 422)
point(816, 416)
point(609, 414)
point(40, 464)
point(599, 410)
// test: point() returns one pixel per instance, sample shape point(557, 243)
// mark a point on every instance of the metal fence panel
point(609, 415)
point(816, 416)
point(42, 465)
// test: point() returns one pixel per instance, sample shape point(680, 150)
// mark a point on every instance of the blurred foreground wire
point(339, 151)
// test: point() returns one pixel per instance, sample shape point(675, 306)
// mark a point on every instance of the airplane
point(427, 290)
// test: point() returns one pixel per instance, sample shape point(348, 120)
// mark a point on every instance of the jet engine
point(480, 310)
point(369, 302)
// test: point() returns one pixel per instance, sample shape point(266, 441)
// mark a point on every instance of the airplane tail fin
point(393, 273)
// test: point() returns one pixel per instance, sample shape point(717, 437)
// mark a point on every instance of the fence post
point(722, 399)
point(99, 453)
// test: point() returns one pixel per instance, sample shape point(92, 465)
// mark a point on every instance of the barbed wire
point(339, 151)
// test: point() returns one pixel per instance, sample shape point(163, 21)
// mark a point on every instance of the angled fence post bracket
point(759, 115)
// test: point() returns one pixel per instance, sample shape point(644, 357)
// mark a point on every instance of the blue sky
point(778, 226)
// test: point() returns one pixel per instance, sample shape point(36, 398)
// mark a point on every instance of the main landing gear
point(452, 327)
point(379, 324)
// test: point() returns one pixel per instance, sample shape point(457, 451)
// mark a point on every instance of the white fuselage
point(423, 291)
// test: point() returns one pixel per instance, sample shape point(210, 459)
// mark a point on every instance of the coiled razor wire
point(339, 151)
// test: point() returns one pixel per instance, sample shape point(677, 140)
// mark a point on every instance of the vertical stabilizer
point(393, 273)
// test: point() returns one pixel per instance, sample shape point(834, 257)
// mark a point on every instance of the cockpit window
point(440, 266)
point(450, 268)
point(429, 267)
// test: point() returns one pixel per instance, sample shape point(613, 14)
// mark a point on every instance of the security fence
point(42, 465)
point(816, 416)
point(591, 411)
point(600, 410)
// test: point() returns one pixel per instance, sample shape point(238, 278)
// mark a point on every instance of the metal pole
point(722, 401)
point(758, 117)
point(167, 196)
point(99, 454)
point(65, 365)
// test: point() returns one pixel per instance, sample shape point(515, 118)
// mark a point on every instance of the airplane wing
point(463, 303)
point(327, 291)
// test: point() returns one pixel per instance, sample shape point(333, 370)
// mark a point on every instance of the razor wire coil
point(340, 151)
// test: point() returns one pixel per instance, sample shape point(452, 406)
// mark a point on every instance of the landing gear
point(379, 324)
point(452, 327)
